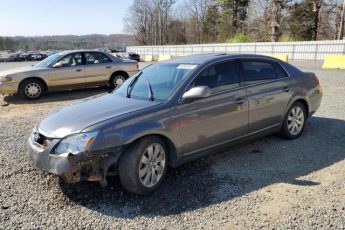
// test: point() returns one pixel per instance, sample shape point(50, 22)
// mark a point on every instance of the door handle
point(79, 70)
point(286, 89)
point(240, 101)
point(108, 67)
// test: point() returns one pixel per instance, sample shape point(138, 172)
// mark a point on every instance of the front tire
point(31, 89)
point(117, 80)
point(143, 166)
point(294, 122)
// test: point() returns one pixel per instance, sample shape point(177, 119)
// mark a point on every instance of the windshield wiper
point(130, 86)
point(150, 98)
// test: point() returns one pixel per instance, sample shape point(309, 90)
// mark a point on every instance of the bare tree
point(316, 15)
point(341, 24)
point(198, 10)
point(137, 21)
point(257, 24)
point(277, 7)
point(157, 22)
point(149, 19)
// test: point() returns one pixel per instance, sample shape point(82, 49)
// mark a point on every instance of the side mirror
point(197, 92)
point(57, 65)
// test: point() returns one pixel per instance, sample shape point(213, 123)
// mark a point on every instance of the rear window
point(292, 70)
point(280, 72)
point(257, 71)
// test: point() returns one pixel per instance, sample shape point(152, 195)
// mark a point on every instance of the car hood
point(76, 117)
point(20, 70)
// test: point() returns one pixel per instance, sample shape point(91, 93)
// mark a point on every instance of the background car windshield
point(164, 78)
point(48, 61)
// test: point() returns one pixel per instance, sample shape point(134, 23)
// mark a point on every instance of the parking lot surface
point(270, 183)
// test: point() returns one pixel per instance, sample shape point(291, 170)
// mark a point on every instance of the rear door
point(267, 91)
point(70, 74)
point(97, 68)
point(218, 119)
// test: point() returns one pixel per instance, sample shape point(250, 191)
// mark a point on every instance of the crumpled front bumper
point(72, 168)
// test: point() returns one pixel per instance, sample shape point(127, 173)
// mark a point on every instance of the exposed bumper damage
point(74, 168)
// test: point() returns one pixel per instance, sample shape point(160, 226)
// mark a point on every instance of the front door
point(70, 74)
point(216, 120)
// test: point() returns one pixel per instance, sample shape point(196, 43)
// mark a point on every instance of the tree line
point(159, 22)
point(67, 42)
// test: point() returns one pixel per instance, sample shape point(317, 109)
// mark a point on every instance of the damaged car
point(173, 112)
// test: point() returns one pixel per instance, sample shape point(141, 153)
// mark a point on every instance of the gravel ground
point(267, 184)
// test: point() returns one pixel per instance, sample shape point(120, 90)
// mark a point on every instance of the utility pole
point(341, 25)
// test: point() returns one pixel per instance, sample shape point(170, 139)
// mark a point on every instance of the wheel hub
point(152, 165)
point(118, 81)
point(32, 90)
point(295, 120)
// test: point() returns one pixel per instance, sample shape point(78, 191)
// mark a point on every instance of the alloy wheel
point(295, 121)
point(152, 165)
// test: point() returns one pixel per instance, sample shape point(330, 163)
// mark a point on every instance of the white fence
point(313, 51)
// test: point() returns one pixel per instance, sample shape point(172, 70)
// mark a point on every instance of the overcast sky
point(62, 17)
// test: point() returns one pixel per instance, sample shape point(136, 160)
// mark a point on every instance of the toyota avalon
point(173, 112)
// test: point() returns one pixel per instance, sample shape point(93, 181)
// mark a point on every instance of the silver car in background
point(67, 70)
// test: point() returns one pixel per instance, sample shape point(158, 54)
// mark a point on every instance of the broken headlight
point(5, 79)
point(76, 144)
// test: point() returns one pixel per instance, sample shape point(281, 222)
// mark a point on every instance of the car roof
point(206, 58)
point(112, 57)
point(77, 51)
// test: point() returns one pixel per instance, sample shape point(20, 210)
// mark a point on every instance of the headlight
point(76, 144)
point(5, 79)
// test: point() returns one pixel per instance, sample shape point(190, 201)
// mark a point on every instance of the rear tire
point(294, 122)
point(31, 89)
point(143, 165)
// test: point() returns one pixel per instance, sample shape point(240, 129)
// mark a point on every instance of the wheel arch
point(172, 150)
point(35, 78)
point(305, 104)
point(303, 100)
point(120, 72)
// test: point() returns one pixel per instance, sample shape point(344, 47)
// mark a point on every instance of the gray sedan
point(173, 112)
point(67, 70)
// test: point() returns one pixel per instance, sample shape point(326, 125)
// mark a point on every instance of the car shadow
point(57, 96)
point(224, 176)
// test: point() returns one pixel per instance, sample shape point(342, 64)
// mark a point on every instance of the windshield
point(163, 79)
point(49, 60)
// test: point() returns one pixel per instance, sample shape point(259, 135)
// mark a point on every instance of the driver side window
point(219, 77)
point(72, 60)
